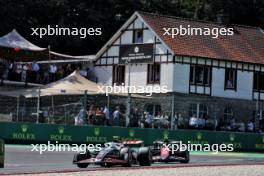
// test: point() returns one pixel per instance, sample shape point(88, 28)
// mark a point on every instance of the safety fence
point(169, 111)
point(41, 133)
point(53, 109)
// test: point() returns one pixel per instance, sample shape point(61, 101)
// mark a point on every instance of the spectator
point(116, 116)
point(60, 72)
point(240, 127)
point(35, 72)
point(233, 124)
point(261, 123)
point(174, 121)
point(45, 79)
point(193, 122)
point(91, 115)
point(142, 120)
point(165, 121)
point(10, 70)
point(46, 115)
point(83, 72)
point(148, 120)
point(100, 118)
point(229, 84)
point(251, 126)
point(68, 70)
point(201, 122)
point(52, 72)
point(220, 124)
point(29, 71)
point(24, 73)
point(181, 121)
point(4, 75)
point(162, 121)
point(107, 116)
point(80, 118)
point(18, 72)
point(134, 121)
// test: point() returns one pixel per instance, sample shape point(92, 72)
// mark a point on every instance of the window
point(228, 114)
point(118, 74)
point(153, 109)
point(138, 36)
point(200, 75)
point(258, 81)
point(153, 73)
point(230, 79)
point(198, 110)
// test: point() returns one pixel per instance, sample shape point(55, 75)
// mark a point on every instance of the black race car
point(164, 151)
point(124, 153)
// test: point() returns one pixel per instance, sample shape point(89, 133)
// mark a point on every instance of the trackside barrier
point(41, 133)
point(2, 153)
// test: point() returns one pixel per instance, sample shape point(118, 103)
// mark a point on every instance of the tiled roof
point(246, 45)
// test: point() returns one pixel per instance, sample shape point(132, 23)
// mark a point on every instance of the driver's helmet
point(166, 141)
point(157, 144)
point(113, 145)
point(116, 139)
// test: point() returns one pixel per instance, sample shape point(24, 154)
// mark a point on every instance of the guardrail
point(2, 153)
point(41, 133)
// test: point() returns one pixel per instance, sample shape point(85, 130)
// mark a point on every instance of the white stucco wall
point(138, 74)
point(166, 76)
point(181, 78)
point(244, 84)
point(103, 74)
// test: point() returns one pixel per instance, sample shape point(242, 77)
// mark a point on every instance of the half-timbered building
point(213, 77)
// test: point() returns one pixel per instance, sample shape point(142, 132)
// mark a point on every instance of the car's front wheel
point(82, 165)
point(106, 165)
point(79, 157)
point(144, 156)
point(126, 155)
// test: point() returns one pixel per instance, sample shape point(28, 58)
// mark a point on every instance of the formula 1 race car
point(165, 151)
point(124, 153)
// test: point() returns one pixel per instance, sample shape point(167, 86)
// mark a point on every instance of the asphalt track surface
point(21, 160)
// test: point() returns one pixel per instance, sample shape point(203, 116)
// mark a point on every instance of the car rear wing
point(133, 142)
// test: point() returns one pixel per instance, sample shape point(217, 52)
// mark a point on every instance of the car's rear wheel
point(187, 158)
point(106, 164)
point(144, 156)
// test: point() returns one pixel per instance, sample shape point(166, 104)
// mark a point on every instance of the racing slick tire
point(126, 154)
point(144, 156)
point(187, 158)
point(80, 157)
point(106, 165)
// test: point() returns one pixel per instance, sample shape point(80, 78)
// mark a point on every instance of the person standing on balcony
point(52, 72)
point(35, 72)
